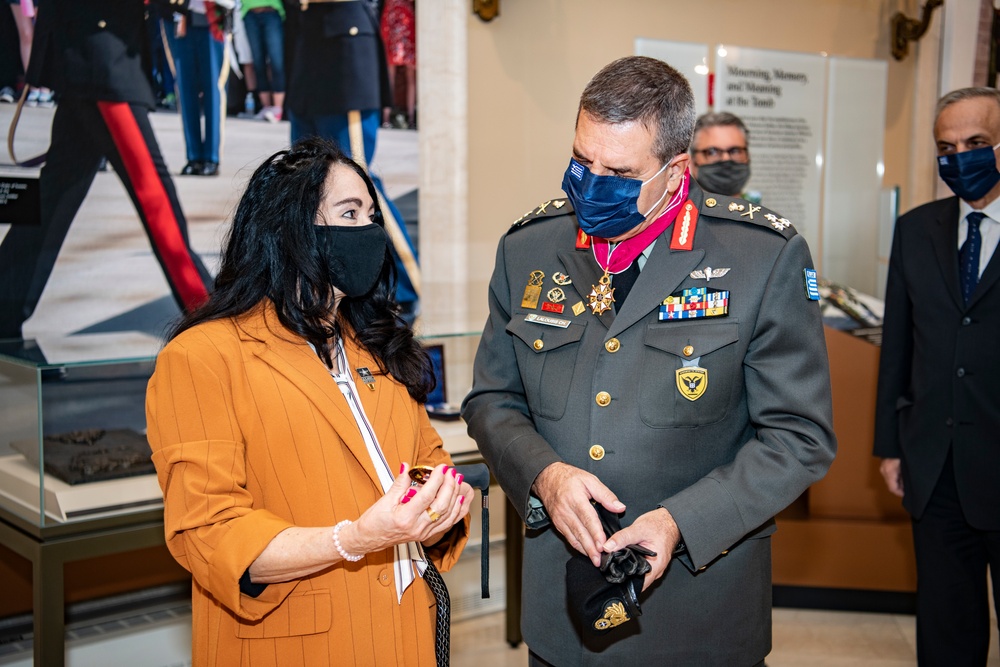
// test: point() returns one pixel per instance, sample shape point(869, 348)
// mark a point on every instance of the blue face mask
point(971, 174)
point(606, 206)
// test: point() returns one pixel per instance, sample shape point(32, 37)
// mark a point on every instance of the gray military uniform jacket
point(723, 464)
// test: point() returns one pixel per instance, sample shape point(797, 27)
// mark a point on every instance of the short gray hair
point(637, 88)
point(719, 119)
point(965, 94)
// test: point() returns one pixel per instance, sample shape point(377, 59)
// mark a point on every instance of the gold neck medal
point(602, 295)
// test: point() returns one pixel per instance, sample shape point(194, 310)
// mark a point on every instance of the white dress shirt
point(989, 229)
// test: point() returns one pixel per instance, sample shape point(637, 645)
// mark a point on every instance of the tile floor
point(802, 638)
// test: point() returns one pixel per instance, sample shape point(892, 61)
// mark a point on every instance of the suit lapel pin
point(366, 377)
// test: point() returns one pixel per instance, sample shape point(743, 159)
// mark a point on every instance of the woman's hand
point(410, 513)
point(403, 514)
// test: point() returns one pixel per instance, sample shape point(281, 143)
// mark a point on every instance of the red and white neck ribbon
point(617, 259)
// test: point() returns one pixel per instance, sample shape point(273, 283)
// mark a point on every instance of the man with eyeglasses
point(720, 156)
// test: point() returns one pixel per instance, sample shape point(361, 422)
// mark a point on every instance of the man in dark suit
point(652, 348)
point(91, 52)
point(938, 418)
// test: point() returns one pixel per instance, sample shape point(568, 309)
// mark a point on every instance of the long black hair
point(271, 253)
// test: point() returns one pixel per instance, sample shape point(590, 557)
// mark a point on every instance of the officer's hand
point(654, 530)
point(566, 492)
point(893, 475)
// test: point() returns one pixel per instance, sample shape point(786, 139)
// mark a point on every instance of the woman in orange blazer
point(284, 416)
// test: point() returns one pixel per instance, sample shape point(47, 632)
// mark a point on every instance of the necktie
point(623, 283)
point(968, 256)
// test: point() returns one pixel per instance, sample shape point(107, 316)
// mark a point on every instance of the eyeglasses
point(713, 154)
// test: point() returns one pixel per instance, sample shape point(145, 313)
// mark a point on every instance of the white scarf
point(411, 552)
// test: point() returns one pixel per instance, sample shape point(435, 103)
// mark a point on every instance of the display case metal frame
point(49, 548)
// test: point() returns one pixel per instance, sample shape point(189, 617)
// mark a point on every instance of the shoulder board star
point(547, 209)
point(733, 208)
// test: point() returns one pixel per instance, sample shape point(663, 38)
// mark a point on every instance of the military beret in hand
point(603, 598)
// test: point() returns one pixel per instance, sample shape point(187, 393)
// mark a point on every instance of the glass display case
point(72, 427)
point(452, 355)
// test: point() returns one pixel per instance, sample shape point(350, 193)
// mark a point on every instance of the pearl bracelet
point(336, 542)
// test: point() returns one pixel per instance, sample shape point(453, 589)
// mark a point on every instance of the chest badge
point(692, 381)
point(708, 273)
point(533, 290)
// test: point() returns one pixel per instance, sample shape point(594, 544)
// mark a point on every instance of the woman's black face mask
point(353, 256)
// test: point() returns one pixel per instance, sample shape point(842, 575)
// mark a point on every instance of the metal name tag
point(547, 321)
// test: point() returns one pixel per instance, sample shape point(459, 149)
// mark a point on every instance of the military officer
point(697, 408)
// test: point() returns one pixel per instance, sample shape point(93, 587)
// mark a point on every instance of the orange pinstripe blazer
point(250, 435)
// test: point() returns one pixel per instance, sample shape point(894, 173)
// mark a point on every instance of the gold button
point(710, 202)
point(353, 30)
point(726, 552)
point(688, 350)
point(538, 344)
point(612, 345)
point(102, 24)
point(383, 578)
point(597, 452)
point(603, 399)
point(702, 568)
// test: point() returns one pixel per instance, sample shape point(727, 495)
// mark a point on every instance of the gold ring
point(434, 516)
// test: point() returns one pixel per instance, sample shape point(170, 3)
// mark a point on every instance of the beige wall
point(526, 69)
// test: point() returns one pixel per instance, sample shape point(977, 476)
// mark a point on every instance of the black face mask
point(724, 178)
point(353, 255)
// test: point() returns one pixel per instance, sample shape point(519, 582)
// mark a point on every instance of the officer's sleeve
point(894, 357)
point(496, 408)
point(787, 381)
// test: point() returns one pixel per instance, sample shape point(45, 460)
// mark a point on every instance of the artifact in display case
point(848, 310)
point(92, 455)
point(72, 424)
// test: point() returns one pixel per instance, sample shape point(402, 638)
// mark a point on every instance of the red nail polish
point(402, 467)
point(405, 500)
point(460, 478)
point(412, 492)
point(454, 472)
point(461, 499)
